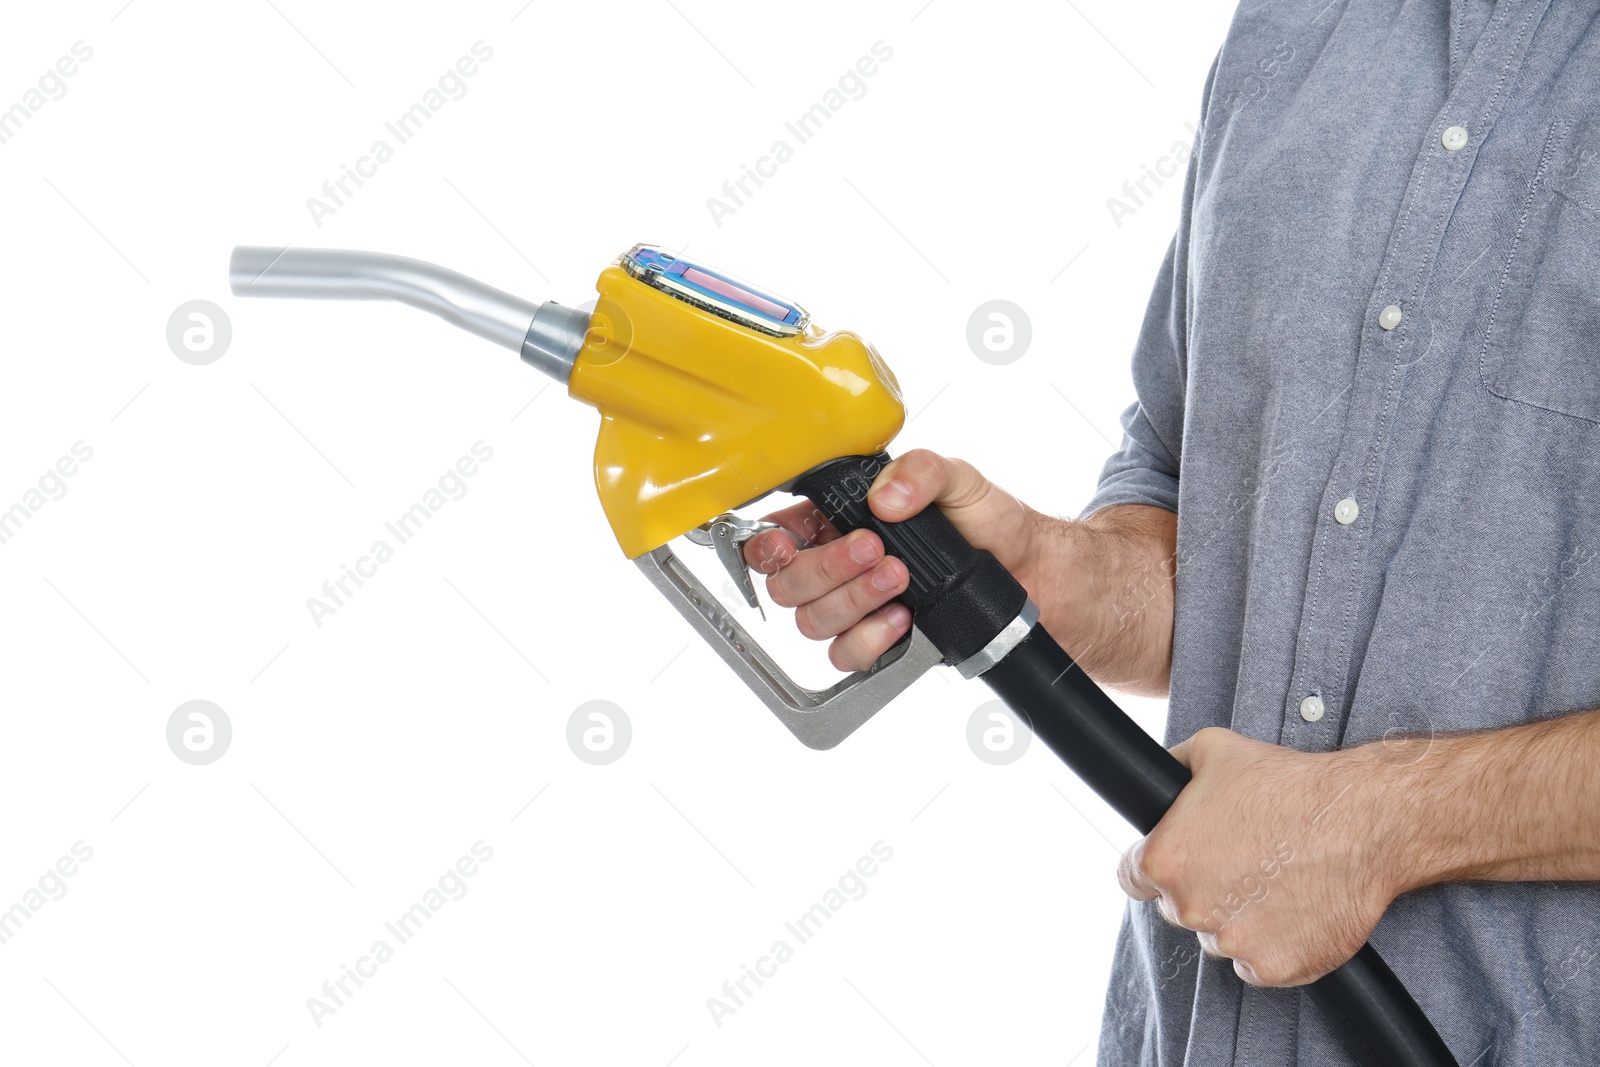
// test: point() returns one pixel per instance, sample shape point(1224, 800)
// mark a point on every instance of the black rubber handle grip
point(959, 597)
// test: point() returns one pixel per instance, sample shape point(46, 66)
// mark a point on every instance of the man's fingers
point(1132, 877)
point(919, 478)
point(836, 611)
point(1244, 969)
point(818, 571)
point(860, 646)
point(1211, 743)
point(805, 521)
point(1138, 885)
point(766, 552)
point(800, 526)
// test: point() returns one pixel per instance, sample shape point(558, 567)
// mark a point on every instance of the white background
point(372, 752)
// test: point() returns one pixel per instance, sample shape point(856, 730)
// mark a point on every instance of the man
point(1351, 532)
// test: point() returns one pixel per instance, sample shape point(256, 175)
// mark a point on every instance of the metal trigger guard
point(820, 718)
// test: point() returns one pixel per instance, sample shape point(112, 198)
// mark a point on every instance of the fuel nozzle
point(547, 335)
point(711, 394)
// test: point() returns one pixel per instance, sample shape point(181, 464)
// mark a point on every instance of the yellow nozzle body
point(700, 415)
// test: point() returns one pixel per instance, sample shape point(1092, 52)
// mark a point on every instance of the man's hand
point(1284, 861)
point(1103, 586)
point(842, 588)
point(1278, 859)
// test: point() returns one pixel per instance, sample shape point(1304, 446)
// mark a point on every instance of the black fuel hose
point(964, 600)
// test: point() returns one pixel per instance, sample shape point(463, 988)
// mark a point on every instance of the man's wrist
point(1048, 566)
point(1104, 587)
point(1065, 574)
point(1425, 830)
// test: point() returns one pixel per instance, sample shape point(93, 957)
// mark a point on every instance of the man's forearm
point(1104, 587)
point(1519, 804)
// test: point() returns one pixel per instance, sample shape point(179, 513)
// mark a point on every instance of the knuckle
point(1152, 871)
point(932, 470)
point(1270, 973)
point(778, 590)
point(1191, 914)
point(765, 554)
point(834, 563)
point(812, 526)
point(1211, 741)
point(1155, 861)
point(861, 597)
point(805, 621)
point(1128, 865)
point(846, 654)
point(1230, 943)
point(966, 483)
point(918, 468)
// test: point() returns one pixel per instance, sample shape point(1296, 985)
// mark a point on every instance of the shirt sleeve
point(1145, 469)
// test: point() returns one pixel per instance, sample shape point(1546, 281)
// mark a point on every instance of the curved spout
point(545, 335)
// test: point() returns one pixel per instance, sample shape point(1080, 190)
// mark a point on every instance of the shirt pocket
point(1542, 342)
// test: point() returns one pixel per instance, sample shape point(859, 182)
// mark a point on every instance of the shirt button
point(1389, 317)
point(1345, 511)
point(1311, 708)
point(1455, 138)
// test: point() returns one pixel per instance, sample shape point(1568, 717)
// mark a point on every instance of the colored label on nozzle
point(714, 291)
point(729, 291)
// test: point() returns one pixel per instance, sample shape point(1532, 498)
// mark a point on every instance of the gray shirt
point(1369, 385)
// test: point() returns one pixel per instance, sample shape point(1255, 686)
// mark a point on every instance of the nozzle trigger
point(726, 534)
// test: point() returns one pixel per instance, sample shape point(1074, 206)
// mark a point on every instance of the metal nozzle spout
point(545, 335)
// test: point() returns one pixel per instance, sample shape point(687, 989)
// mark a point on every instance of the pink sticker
point(733, 292)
